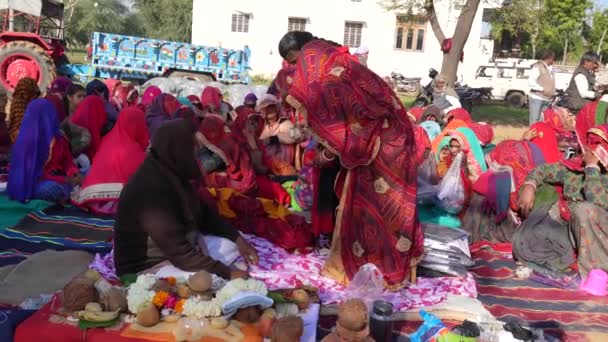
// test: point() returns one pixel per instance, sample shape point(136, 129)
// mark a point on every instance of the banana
point(98, 316)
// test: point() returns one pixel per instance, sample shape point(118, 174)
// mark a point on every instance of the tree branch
point(432, 17)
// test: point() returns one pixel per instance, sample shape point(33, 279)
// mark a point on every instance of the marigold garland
point(179, 306)
point(160, 298)
point(171, 280)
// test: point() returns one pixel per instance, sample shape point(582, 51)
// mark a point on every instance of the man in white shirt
point(542, 86)
point(582, 85)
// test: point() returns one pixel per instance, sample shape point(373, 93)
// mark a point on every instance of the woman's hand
point(323, 157)
point(530, 134)
point(76, 179)
point(247, 251)
point(526, 199)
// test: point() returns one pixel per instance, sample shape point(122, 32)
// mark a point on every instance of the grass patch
point(77, 56)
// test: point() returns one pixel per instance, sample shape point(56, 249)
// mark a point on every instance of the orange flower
point(179, 306)
point(171, 281)
point(160, 298)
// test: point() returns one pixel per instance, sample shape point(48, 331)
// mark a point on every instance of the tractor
point(31, 41)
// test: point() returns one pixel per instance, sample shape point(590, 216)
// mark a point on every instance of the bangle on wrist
point(324, 156)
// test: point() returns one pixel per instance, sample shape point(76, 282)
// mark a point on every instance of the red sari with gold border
point(354, 114)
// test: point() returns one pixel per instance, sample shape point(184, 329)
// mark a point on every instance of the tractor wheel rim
point(16, 67)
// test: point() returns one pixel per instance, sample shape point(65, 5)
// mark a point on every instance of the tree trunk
point(533, 42)
point(565, 52)
point(599, 46)
point(449, 66)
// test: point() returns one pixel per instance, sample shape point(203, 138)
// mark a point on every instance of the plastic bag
point(431, 328)
point(426, 193)
point(451, 188)
point(427, 171)
point(367, 284)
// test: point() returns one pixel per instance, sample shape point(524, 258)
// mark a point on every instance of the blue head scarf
point(431, 128)
point(31, 149)
point(185, 102)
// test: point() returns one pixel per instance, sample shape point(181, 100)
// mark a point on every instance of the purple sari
point(31, 149)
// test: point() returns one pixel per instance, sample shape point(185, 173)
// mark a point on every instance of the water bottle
point(381, 326)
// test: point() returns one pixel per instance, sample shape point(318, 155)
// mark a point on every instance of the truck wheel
point(516, 99)
point(19, 59)
point(192, 76)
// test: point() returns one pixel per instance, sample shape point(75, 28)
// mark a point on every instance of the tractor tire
point(516, 99)
point(46, 71)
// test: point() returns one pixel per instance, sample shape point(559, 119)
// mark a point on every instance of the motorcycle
point(468, 96)
point(405, 84)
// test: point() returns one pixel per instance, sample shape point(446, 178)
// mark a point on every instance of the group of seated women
point(545, 193)
point(82, 146)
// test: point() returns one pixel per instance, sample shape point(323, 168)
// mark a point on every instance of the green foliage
point(521, 19)
point(600, 24)
point(166, 19)
point(261, 80)
point(99, 15)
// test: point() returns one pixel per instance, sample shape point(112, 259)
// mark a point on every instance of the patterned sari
point(560, 243)
point(591, 115)
point(239, 173)
point(235, 194)
point(354, 114)
point(120, 154)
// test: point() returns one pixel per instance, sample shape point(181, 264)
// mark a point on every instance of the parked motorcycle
point(468, 96)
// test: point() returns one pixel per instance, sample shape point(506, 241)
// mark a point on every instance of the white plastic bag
point(451, 188)
point(426, 193)
point(367, 284)
point(427, 171)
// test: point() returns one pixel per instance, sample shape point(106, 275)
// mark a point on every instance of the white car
point(509, 80)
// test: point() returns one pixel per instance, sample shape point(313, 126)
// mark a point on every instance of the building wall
point(211, 25)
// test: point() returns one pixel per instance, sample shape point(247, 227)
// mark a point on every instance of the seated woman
point(556, 135)
point(120, 154)
point(73, 97)
point(544, 240)
point(25, 91)
point(276, 135)
point(160, 111)
point(41, 164)
point(431, 113)
point(91, 115)
point(591, 115)
point(234, 190)
point(151, 93)
point(464, 139)
point(125, 95)
point(245, 130)
point(483, 131)
point(160, 216)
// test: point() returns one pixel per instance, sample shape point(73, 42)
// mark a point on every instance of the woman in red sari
point(235, 194)
point(244, 131)
point(591, 115)
point(361, 123)
point(120, 154)
point(91, 115)
point(483, 131)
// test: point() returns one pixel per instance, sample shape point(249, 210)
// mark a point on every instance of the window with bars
point(352, 34)
point(296, 24)
point(240, 22)
point(410, 34)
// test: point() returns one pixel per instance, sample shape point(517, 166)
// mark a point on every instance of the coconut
point(148, 316)
point(301, 298)
point(352, 315)
point(200, 281)
point(78, 293)
point(248, 315)
point(287, 329)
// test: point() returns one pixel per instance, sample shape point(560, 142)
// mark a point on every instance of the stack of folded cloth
point(447, 250)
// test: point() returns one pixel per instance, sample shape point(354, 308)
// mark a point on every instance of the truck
point(32, 45)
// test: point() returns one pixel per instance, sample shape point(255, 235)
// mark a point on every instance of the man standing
point(542, 86)
point(582, 85)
